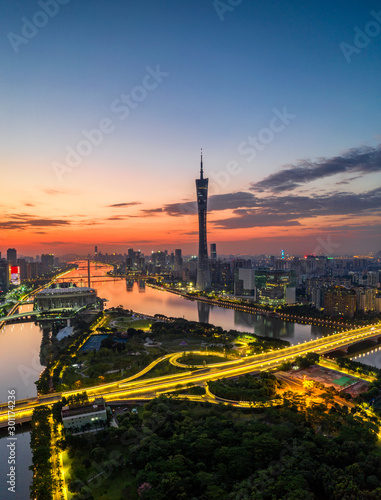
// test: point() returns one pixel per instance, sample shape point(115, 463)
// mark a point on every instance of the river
point(19, 368)
point(145, 299)
point(20, 343)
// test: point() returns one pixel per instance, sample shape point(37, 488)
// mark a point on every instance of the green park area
point(200, 359)
point(125, 322)
point(5, 308)
point(95, 468)
point(178, 449)
point(117, 350)
point(174, 448)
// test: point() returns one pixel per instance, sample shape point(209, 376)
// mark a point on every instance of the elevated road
point(343, 347)
point(48, 314)
point(23, 301)
point(24, 315)
point(133, 388)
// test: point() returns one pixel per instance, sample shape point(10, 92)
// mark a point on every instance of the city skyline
point(105, 110)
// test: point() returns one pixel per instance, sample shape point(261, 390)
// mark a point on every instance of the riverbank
point(33, 292)
point(254, 310)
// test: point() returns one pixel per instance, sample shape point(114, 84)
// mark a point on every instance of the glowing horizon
point(105, 111)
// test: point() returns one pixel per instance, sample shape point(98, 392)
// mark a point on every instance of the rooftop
point(60, 291)
point(96, 405)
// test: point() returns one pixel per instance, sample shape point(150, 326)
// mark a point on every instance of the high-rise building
point(159, 260)
point(244, 282)
point(366, 299)
point(275, 287)
point(340, 301)
point(47, 260)
point(203, 270)
point(4, 275)
point(22, 263)
point(213, 251)
point(12, 256)
point(178, 261)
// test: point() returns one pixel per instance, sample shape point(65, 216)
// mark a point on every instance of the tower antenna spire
point(203, 270)
point(201, 168)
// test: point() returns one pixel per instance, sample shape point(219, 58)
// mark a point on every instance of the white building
point(89, 416)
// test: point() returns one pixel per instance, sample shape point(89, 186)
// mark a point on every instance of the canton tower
point(203, 271)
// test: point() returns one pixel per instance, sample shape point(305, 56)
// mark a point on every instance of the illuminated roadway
point(131, 388)
point(23, 301)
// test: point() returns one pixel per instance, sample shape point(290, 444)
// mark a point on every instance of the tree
point(98, 454)
point(75, 485)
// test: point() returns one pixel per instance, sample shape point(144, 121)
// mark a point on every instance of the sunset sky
point(106, 105)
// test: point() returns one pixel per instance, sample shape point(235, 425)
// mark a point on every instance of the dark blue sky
point(224, 80)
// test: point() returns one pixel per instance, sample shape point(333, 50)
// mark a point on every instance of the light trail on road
point(131, 388)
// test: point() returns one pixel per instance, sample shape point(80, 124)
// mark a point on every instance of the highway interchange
point(132, 388)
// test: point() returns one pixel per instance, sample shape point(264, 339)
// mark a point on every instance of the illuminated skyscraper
point(203, 271)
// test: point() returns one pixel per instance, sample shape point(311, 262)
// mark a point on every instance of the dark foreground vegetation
point(182, 328)
point(40, 439)
point(181, 450)
point(246, 388)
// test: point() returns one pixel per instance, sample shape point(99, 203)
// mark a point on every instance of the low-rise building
point(71, 297)
point(85, 417)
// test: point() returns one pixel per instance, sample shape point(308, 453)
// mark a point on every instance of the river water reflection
point(20, 358)
point(372, 357)
point(19, 368)
point(20, 343)
point(142, 298)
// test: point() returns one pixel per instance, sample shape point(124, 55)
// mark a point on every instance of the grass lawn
point(176, 344)
point(106, 486)
point(197, 359)
point(118, 485)
point(138, 324)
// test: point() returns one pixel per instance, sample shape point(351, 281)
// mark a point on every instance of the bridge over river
point(40, 315)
